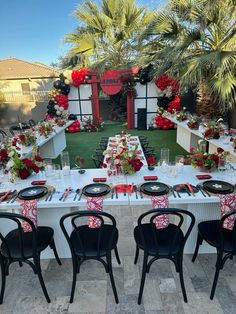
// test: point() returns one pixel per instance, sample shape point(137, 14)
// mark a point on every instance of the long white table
point(50, 146)
point(188, 138)
point(126, 209)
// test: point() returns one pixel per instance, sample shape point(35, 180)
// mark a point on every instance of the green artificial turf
point(84, 143)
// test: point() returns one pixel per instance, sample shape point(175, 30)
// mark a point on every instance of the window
point(25, 87)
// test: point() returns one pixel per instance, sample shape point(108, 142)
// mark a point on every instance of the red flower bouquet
point(78, 76)
point(23, 168)
point(151, 161)
point(25, 139)
point(3, 156)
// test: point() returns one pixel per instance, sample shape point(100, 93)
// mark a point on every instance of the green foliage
point(196, 41)
point(107, 33)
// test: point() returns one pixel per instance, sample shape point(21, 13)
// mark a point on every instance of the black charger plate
point(32, 192)
point(218, 187)
point(154, 188)
point(96, 189)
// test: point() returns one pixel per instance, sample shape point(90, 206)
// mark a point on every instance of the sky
point(33, 30)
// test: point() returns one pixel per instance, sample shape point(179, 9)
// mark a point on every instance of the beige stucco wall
point(35, 84)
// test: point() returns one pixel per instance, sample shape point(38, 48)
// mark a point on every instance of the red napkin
point(203, 176)
point(94, 203)
point(129, 188)
point(161, 201)
point(150, 178)
point(99, 179)
point(4, 196)
point(38, 182)
point(29, 210)
point(227, 204)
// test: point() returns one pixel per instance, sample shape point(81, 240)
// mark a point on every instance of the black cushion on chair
point(44, 237)
point(89, 236)
point(210, 232)
point(164, 236)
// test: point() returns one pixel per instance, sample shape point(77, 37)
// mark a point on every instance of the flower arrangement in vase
point(123, 159)
point(92, 125)
point(45, 128)
point(25, 139)
point(182, 115)
point(151, 161)
point(213, 130)
point(194, 122)
point(23, 168)
point(206, 162)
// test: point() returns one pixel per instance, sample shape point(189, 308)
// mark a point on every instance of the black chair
point(222, 239)
point(14, 129)
point(166, 243)
point(91, 243)
point(19, 246)
point(31, 123)
point(3, 135)
point(97, 161)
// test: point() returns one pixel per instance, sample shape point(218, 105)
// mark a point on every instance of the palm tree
point(196, 41)
point(107, 34)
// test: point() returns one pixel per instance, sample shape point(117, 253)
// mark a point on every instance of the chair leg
point(218, 266)
point(145, 258)
point(20, 264)
point(136, 255)
point(117, 255)
point(111, 277)
point(74, 280)
point(39, 273)
point(181, 277)
point(3, 275)
point(53, 247)
point(199, 242)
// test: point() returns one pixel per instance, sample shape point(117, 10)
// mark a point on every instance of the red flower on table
point(3, 155)
point(23, 173)
point(38, 158)
point(151, 161)
point(220, 150)
point(136, 164)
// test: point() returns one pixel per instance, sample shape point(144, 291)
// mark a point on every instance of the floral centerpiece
point(213, 130)
point(45, 128)
point(123, 159)
point(194, 122)
point(92, 125)
point(205, 161)
point(151, 161)
point(59, 121)
point(23, 168)
point(161, 122)
point(25, 139)
point(182, 115)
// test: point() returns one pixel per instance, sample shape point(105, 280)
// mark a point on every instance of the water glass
point(172, 170)
point(225, 139)
point(65, 163)
point(48, 167)
point(179, 161)
point(57, 171)
point(164, 155)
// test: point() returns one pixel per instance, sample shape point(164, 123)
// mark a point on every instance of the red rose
point(28, 162)
point(35, 168)
point(151, 160)
point(215, 158)
point(136, 164)
point(208, 132)
point(108, 159)
point(220, 150)
point(38, 158)
point(23, 173)
point(104, 165)
point(199, 163)
point(3, 155)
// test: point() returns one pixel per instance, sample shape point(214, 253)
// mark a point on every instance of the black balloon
point(51, 102)
point(66, 89)
point(57, 84)
point(163, 102)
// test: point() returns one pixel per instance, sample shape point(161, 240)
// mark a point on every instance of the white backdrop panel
point(73, 93)
point(85, 91)
point(152, 90)
point(139, 103)
point(141, 90)
point(74, 107)
point(86, 107)
point(152, 105)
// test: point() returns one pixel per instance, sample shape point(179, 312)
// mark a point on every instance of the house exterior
point(24, 86)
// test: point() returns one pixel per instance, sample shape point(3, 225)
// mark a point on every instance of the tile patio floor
point(162, 292)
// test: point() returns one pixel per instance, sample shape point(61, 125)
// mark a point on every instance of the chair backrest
point(157, 234)
point(95, 233)
point(21, 237)
point(31, 122)
point(226, 234)
point(17, 129)
point(3, 135)
point(97, 162)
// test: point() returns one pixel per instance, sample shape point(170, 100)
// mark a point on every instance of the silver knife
point(76, 194)
point(200, 188)
point(173, 192)
point(136, 192)
point(53, 191)
point(141, 193)
point(14, 198)
point(48, 195)
point(80, 195)
point(112, 193)
point(14, 193)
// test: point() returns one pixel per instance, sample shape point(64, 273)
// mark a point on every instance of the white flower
point(11, 153)
point(61, 108)
point(58, 112)
point(10, 164)
point(56, 107)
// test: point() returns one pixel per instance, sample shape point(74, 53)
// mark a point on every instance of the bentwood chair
point(167, 243)
point(24, 247)
point(31, 123)
point(3, 135)
point(91, 243)
point(14, 129)
point(97, 161)
point(222, 239)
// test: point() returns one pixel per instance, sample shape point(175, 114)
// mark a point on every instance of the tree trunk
point(207, 105)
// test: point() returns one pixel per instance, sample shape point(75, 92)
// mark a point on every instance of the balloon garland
point(58, 97)
point(167, 88)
